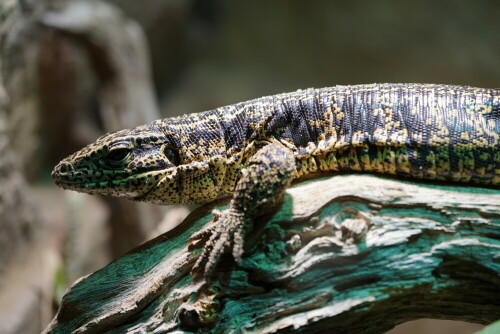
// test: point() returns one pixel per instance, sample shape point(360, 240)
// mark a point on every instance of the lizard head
point(143, 164)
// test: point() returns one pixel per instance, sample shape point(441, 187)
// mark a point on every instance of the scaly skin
point(253, 150)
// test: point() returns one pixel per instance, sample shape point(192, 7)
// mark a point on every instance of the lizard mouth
point(123, 184)
point(68, 176)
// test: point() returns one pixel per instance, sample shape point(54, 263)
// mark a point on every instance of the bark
point(345, 254)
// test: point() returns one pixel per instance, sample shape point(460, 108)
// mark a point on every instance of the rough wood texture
point(354, 254)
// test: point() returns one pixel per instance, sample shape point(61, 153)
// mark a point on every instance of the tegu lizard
point(253, 150)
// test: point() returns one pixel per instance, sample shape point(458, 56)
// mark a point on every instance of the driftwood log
point(343, 254)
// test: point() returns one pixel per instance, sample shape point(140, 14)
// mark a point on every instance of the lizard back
point(425, 131)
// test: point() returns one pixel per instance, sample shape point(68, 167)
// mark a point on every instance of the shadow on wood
point(349, 254)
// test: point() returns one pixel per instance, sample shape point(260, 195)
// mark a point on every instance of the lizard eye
point(172, 155)
point(117, 155)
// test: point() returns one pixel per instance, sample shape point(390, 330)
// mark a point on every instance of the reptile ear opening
point(172, 155)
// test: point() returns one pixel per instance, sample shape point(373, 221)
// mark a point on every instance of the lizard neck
point(203, 156)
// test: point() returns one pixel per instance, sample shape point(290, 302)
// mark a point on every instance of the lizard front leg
point(262, 184)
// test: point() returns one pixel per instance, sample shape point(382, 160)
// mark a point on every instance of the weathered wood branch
point(353, 254)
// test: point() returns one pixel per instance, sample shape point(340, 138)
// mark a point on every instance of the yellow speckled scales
point(252, 150)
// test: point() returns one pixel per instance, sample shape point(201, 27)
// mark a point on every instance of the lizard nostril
point(65, 167)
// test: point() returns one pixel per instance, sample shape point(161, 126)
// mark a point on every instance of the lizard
point(253, 150)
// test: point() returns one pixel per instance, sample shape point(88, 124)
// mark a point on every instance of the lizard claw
point(199, 238)
point(226, 235)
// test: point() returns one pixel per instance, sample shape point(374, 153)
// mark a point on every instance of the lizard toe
point(200, 237)
point(227, 235)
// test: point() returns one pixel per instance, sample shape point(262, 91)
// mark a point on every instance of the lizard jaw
point(133, 186)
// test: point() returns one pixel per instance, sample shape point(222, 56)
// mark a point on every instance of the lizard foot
point(227, 234)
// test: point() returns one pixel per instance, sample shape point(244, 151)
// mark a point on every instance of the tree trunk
point(345, 254)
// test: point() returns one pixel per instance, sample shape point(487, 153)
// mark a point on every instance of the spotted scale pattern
point(253, 150)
